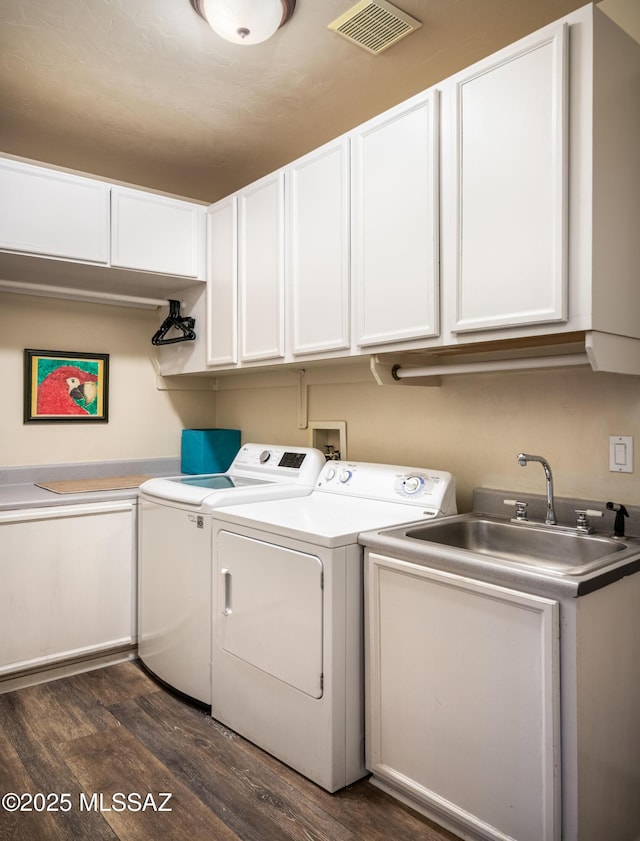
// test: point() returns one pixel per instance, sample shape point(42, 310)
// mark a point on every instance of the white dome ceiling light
point(245, 21)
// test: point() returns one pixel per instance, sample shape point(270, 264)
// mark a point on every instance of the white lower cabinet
point(463, 700)
point(66, 583)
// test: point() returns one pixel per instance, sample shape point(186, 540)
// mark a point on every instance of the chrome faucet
point(523, 460)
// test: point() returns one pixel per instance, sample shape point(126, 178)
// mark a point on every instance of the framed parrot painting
point(62, 386)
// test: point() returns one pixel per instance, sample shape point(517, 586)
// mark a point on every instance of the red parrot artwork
point(57, 391)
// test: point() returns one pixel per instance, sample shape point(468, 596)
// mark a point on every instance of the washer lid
point(252, 475)
point(193, 490)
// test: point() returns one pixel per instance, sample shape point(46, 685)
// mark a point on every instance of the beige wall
point(473, 426)
point(143, 422)
point(626, 13)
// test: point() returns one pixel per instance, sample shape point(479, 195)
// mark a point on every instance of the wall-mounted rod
point(84, 295)
point(563, 361)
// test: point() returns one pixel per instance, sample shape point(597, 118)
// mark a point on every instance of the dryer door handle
point(226, 574)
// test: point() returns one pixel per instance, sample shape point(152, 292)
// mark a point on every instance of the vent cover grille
point(374, 25)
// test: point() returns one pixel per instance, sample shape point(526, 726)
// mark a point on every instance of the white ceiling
point(143, 91)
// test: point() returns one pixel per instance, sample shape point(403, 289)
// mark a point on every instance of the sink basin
point(534, 545)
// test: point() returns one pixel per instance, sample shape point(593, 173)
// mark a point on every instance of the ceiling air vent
point(374, 25)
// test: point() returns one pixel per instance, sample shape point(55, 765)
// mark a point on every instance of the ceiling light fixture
point(245, 21)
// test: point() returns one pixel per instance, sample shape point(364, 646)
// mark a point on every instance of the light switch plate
point(621, 453)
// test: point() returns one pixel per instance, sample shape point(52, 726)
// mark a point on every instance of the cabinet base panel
point(439, 817)
point(66, 668)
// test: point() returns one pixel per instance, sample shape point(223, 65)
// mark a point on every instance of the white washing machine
point(174, 555)
point(287, 655)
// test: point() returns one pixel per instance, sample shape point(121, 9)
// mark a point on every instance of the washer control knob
point(265, 455)
point(412, 484)
point(331, 472)
point(344, 476)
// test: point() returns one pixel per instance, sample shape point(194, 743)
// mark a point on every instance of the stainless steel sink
point(543, 547)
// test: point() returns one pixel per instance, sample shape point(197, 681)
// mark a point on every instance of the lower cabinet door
point(463, 699)
point(66, 582)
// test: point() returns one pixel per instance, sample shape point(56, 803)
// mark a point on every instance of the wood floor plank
point(252, 783)
point(52, 711)
point(118, 767)
point(198, 752)
point(371, 813)
point(35, 720)
point(117, 730)
point(22, 825)
point(114, 684)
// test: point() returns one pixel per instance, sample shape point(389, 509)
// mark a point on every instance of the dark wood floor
point(116, 731)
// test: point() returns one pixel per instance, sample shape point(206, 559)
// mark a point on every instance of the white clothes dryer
point(174, 555)
point(287, 655)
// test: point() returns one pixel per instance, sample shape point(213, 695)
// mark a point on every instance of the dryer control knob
point(344, 476)
point(412, 484)
point(265, 455)
point(331, 472)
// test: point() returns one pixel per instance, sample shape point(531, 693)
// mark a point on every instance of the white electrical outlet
point(621, 453)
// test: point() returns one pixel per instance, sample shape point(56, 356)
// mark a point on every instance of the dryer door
point(270, 606)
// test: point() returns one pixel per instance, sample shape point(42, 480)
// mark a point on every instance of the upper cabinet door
point(261, 268)
point(156, 234)
point(395, 219)
point(53, 214)
point(510, 124)
point(222, 283)
point(317, 193)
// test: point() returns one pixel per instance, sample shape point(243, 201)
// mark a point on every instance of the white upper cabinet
point(281, 246)
point(540, 182)
point(54, 214)
point(222, 283)
point(317, 247)
point(498, 207)
point(261, 269)
point(510, 118)
point(395, 224)
point(154, 233)
point(74, 236)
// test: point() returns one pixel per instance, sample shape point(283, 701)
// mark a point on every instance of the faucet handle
point(583, 524)
point(521, 509)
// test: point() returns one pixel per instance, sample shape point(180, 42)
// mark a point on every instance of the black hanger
point(174, 320)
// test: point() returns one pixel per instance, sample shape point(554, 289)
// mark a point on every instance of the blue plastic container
point(208, 450)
